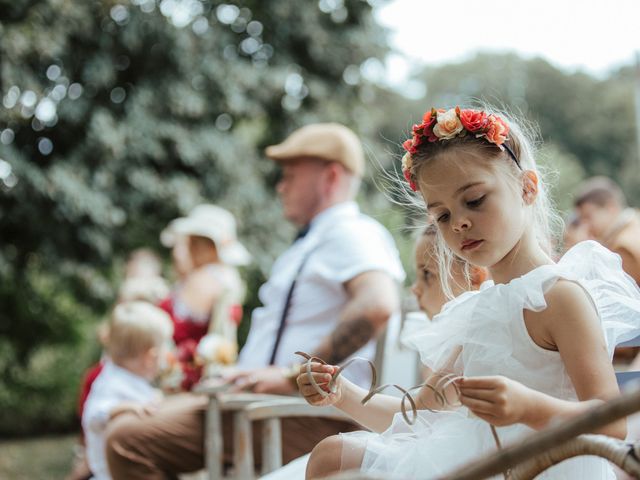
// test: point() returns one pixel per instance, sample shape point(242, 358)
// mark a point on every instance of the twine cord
point(439, 390)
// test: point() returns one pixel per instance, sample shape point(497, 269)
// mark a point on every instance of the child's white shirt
point(114, 386)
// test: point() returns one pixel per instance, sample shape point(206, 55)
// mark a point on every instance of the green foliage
point(120, 116)
point(586, 121)
point(583, 125)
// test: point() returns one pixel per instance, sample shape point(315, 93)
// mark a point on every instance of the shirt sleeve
point(359, 247)
point(97, 413)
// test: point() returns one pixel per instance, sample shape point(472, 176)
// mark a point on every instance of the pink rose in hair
point(408, 178)
point(472, 120)
point(497, 130)
point(448, 125)
point(411, 145)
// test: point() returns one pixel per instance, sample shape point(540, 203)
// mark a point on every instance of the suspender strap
point(285, 311)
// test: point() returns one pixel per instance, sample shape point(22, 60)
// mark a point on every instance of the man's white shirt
point(341, 244)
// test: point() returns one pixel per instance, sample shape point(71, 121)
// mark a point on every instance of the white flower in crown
point(407, 162)
point(448, 125)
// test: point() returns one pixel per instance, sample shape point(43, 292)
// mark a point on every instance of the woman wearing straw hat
point(212, 285)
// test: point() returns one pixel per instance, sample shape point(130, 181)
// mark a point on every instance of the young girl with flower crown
point(530, 347)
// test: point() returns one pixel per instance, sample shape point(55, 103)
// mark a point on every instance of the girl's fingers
point(477, 406)
point(319, 378)
point(316, 399)
point(486, 417)
point(310, 390)
point(317, 367)
point(478, 382)
point(478, 393)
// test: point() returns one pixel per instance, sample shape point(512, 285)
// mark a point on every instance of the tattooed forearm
point(348, 337)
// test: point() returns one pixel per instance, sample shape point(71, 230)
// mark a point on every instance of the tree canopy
point(122, 115)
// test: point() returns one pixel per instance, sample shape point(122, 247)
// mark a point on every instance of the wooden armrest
point(211, 387)
point(545, 440)
point(355, 475)
point(270, 412)
point(290, 407)
point(614, 450)
point(237, 401)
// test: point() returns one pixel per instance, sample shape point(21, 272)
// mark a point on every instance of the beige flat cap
point(327, 141)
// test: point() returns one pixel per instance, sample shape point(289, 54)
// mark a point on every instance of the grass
point(45, 458)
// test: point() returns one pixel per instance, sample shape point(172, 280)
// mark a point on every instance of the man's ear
point(334, 176)
point(529, 186)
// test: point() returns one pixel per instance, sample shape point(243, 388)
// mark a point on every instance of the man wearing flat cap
point(329, 294)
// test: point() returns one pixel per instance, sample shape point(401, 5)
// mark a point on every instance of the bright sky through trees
point(592, 35)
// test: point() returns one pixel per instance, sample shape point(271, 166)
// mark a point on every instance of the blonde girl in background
point(427, 287)
point(531, 348)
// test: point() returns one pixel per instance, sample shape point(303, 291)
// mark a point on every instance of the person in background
point(602, 208)
point(142, 281)
point(143, 263)
point(427, 287)
point(330, 294)
point(215, 253)
point(136, 340)
point(180, 256)
point(143, 278)
point(575, 231)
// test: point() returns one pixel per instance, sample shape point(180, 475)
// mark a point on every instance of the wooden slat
point(243, 447)
point(271, 445)
point(291, 408)
point(211, 387)
point(236, 401)
point(213, 440)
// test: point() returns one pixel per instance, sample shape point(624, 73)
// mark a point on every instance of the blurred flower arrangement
point(192, 360)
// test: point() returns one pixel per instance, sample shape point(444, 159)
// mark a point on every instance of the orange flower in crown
point(439, 125)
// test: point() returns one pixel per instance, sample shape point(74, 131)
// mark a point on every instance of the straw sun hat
point(214, 223)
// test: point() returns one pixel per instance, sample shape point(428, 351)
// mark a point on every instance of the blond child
point(534, 346)
point(427, 287)
point(136, 337)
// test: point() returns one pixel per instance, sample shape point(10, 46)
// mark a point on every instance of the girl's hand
point(322, 374)
point(498, 400)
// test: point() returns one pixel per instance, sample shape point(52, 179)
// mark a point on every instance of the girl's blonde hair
point(135, 328)
point(546, 222)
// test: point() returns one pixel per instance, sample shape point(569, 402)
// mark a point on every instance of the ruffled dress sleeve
point(483, 332)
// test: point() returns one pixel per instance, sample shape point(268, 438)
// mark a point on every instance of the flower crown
point(438, 125)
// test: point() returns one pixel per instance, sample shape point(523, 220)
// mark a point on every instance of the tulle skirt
point(440, 442)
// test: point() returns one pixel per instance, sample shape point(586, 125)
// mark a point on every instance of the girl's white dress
point(489, 327)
